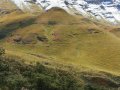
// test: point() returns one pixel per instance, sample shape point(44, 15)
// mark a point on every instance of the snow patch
point(108, 10)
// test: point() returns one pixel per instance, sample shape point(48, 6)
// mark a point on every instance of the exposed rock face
point(98, 1)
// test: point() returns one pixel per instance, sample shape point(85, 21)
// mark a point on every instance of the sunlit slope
point(64, 38)
point(7, 4)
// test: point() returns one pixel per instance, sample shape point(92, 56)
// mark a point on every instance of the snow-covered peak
point(108, 10)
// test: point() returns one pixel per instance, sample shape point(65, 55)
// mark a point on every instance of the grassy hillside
point(62, 40)
point(7, 4)
point(16, 75)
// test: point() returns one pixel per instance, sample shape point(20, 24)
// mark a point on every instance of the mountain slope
point(7, 4)
point(73, 52)
point(74, 40)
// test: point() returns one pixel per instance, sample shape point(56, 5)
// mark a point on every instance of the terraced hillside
point(71, 44)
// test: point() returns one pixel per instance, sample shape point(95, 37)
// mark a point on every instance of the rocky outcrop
point(98, 1)
point(101, 81)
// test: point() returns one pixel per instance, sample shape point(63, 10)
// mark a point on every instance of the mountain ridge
point(107, 10)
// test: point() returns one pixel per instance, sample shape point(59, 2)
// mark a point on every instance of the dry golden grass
point(7, 4)
point(74, 40)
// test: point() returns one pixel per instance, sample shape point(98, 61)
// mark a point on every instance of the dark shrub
point(2, 51)
point(52, 22)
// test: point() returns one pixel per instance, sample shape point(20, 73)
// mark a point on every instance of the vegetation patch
point(16, 75)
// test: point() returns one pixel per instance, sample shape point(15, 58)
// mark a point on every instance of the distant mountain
point(108, 10)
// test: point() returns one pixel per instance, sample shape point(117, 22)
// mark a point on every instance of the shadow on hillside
point(7, 29)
